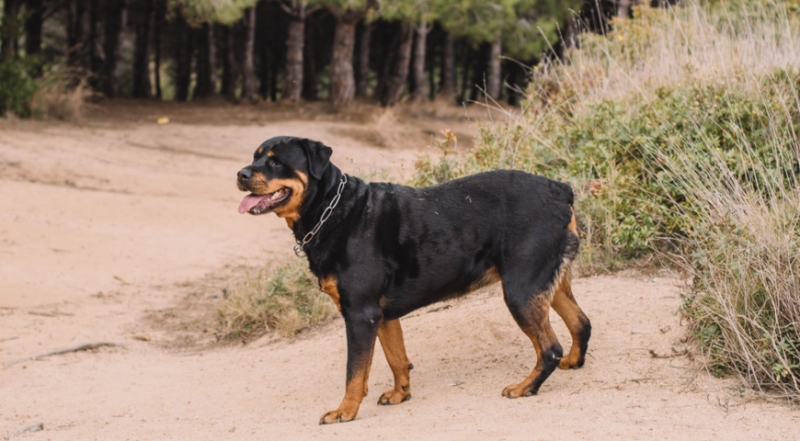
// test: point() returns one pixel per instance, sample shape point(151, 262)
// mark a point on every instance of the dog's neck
point(318, 197)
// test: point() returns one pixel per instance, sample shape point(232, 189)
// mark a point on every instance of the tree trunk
point(9, 39)
point(467, 56)
point(275, 66)
point(160, 11)
point(493, 85)
point(206, 63)
point(624, 8)
point(263, 46)
point(75, 10)
point(183, 46)
point(479, 68)
point(362, 73)
point(421, 31)
point(431, 78)
point(94, 60)
point(33, 26)
point(448, 80)
point(229, 71)
point(342, 81)
point(141, 52)
point(248, 69)
point(310, 83)
point(513, 72)
point(399, 76)
point(381, 90)
point(293, 81)
point(115, 21)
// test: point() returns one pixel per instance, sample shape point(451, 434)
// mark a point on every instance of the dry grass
point(681, 123)
point(733, 43)
point(286, 299)
point(743, 252)
point(57, 98)
point(744, 260)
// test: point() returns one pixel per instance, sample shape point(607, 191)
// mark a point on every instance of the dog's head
point(282, 171)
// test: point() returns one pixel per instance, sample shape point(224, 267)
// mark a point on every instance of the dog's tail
point(562, 192)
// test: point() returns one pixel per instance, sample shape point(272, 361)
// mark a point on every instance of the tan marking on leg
point(390, 335)
point(355, 391)
point(565, 305)
point(329, 286)
point(542, 336)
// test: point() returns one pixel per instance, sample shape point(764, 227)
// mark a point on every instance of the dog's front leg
point(362, 328)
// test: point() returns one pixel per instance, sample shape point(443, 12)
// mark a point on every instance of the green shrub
point(679, 133)
point(17, 88)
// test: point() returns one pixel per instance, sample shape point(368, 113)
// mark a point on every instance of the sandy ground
point(125, 231)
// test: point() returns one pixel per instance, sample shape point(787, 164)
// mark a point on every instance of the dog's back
point(449, 239)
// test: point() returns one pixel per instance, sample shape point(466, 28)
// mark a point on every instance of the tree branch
point(78, 348)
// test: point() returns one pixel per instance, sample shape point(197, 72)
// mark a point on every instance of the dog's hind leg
point(532, 314)
point(390, 335)
point(578, 324)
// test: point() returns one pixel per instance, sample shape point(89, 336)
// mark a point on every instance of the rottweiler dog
point(383, 250)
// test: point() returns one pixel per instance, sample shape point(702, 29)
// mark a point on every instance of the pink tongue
point(251, 201)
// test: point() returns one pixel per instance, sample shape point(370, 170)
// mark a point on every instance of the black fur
point(394, 249)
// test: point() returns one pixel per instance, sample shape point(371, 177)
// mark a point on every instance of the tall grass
point(680, 133)
point(744, 259)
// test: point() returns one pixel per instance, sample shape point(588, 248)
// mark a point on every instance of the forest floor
point(118, 229)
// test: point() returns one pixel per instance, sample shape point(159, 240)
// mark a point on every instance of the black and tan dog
point(384, 250)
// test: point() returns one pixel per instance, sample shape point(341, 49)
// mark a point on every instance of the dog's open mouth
point(263, 203)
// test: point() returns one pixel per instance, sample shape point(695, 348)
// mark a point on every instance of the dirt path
point(115, 230)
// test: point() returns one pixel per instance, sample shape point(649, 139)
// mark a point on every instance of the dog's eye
point(273, 163)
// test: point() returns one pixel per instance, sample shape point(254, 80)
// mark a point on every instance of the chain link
point(299, 245)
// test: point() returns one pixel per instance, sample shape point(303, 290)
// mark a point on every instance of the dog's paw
point(338, 416)
point(393, 396)
point(571, 363)
point(518, 390)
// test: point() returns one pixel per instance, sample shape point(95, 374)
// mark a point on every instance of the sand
point(121, 230)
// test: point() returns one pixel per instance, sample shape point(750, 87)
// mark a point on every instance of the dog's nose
point(244, 174)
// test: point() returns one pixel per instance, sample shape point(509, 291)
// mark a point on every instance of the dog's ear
point(318, 156)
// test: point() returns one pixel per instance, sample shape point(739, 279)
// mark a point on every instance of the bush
point(17, 87)
point(744, 259)
point(286, 298)
point(678, 132)
point(27, 88)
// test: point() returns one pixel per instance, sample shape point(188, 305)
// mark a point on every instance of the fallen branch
point(78, 348)
point(32, 428)
point(49, 314)
point(9, 338)
point(676, 354)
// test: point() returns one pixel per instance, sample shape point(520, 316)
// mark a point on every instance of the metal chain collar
point(299, 245)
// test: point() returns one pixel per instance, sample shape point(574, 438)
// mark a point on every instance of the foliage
point(678, 132)
point(528, 27)
point(209, 11)
point(743, 260)
point(17, 87)
point(286, 298)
